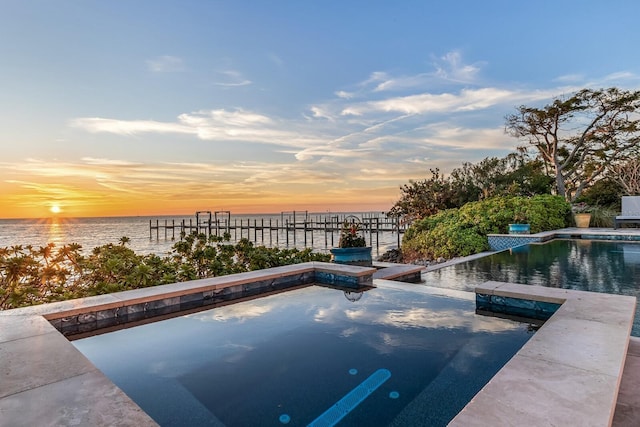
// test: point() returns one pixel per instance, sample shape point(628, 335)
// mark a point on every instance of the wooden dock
point(288, 229)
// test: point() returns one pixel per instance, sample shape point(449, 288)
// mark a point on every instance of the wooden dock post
point(325, 233)
point(294, 228)
point(304, 230)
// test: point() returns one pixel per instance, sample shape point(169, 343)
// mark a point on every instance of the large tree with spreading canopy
point(580, 136)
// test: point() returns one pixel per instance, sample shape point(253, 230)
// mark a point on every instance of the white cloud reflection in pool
point(291, 353)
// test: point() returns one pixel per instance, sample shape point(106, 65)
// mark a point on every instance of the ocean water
point(93, 232)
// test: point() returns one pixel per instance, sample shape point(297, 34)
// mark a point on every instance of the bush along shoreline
point(461, 232)
point(30, 276)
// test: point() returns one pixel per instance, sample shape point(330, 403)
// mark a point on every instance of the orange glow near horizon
point(46, 189)
point(159, 207)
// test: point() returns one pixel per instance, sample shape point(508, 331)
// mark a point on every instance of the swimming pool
point(312, 356)
point(588, 265)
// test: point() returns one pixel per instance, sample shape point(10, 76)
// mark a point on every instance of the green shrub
point(30, 276)
point(541, 212)
point(602, 217)
point(462, 232)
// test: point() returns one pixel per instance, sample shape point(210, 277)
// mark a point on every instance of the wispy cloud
point(450, 135)
point(165, 64)
point(211, 125)
point(452, 67)
point(108, 162)
point(344, 94)
point(570, 78)
point(127, 127)
point(449, 68)
point(622, 79)
point(321, 113)
point(465, 100)
point(402, 82)
point(621, 76)
point(231, 78)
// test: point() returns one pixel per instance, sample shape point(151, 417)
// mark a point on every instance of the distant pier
point(291, 228)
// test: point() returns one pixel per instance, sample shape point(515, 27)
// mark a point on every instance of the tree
point(604, 193)
point(579, 137)
point(627, 175)
point(423, 198)
point(513, 175)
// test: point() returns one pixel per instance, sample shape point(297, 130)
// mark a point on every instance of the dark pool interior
point(588, 265)
point(312, 356)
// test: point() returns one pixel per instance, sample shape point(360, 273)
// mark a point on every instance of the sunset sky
point(152, 107)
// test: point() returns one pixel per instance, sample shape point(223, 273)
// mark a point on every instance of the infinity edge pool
point(568, 373)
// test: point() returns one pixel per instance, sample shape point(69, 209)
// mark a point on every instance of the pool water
point(312, 356)
point(587, 265)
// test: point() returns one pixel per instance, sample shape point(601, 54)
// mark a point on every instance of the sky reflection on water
point(292, 352)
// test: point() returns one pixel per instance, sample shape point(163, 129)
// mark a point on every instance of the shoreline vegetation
point(31, 276)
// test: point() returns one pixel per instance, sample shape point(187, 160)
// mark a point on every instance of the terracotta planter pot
point(582, 220)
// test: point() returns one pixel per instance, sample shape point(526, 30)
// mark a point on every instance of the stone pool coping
point(568, 373)
point(500, 242)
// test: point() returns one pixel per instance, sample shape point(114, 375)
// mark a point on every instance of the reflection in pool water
point(288, 358)
point(587, 265)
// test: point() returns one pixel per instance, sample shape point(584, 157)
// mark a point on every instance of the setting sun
point(55, 209)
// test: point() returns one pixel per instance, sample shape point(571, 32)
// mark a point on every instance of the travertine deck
point(568, 373)
point(500, 242)
point(46, 381)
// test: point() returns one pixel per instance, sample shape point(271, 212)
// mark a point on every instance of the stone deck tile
point(628, 407)
point(17, 327)
point(520, 393)
point(89, 399)
point(582, 344)
point(39, 360)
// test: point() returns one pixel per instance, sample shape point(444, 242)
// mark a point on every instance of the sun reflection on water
point(56, 230)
